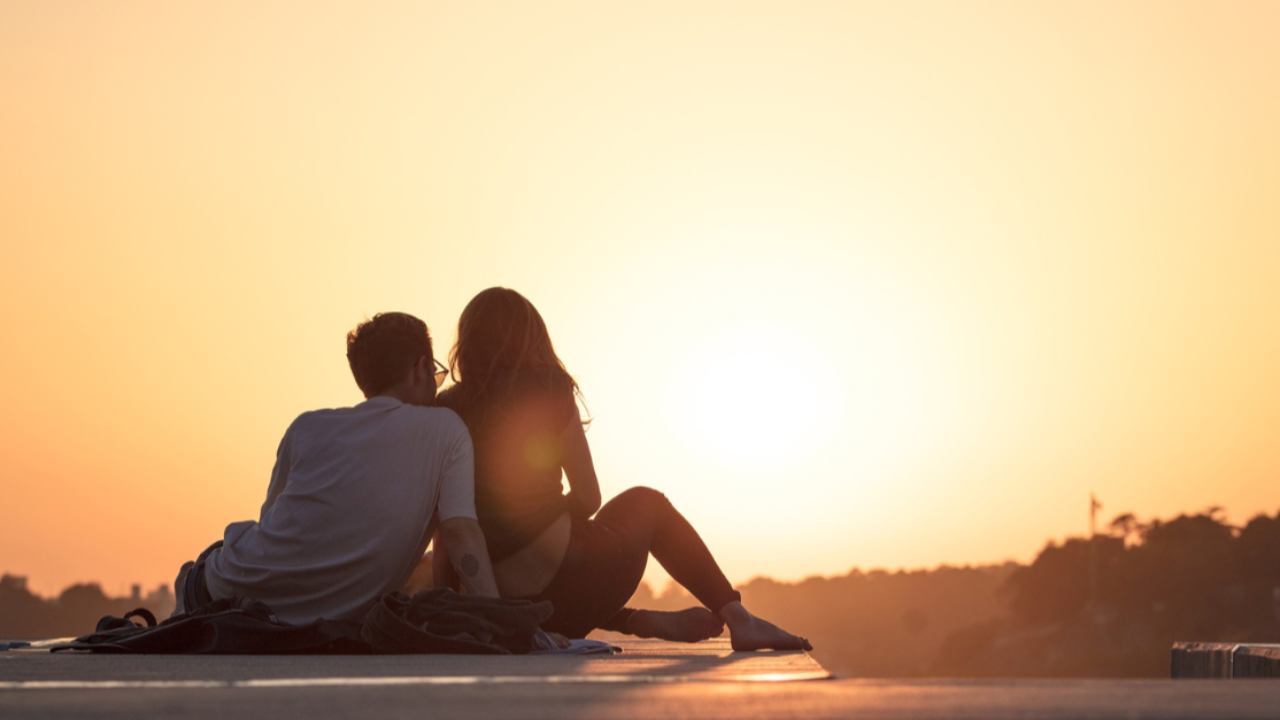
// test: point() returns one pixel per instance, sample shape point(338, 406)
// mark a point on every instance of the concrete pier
point(649, 680)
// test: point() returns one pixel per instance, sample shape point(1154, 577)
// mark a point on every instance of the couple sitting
point(357, 493)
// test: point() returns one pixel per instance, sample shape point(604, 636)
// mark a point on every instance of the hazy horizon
point(862, 283)
point(1109, 606)
point(660, 585)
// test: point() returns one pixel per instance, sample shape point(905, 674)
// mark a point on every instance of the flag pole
point(1094, 507)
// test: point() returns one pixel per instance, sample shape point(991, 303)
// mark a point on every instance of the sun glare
point(754, 398)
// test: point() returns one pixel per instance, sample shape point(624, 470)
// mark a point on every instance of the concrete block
point(1256, 661)
point(1201, 660)
point(1224, 660)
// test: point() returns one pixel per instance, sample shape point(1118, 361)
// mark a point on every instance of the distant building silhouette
point(25, 615)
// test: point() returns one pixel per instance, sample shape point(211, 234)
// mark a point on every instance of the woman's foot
point(748, 632)
point(688, 625)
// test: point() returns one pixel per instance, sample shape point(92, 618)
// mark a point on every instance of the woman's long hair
point(503, 347)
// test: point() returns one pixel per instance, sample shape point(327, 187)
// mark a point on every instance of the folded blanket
point(437, 621)
point(442, 621)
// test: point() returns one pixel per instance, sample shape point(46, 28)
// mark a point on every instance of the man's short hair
point(383, 350)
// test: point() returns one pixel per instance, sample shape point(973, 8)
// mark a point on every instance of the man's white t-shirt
point(354, 499)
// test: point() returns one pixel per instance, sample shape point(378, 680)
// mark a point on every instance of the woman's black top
point(518, 460)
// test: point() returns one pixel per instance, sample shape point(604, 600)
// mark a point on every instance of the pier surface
point(650, 679)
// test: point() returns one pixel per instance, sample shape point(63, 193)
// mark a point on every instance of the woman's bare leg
point(688, 625)
point(646, 516)
point(422, 578)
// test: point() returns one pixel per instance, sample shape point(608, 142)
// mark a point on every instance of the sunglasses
point(442, 372)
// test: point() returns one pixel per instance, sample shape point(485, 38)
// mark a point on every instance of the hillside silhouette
point(870, 624)
point(1191, 578)
point(1110, 607)
point(1194, 577)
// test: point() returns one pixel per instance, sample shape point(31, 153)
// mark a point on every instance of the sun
point(752, 398)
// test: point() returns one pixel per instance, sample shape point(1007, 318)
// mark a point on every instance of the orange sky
point(874, 284)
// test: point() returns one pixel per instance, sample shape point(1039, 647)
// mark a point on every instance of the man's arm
point(464, 543)
point(442, 573)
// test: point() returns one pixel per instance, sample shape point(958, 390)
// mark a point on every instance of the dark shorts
point(606, 558)
point(599, 574)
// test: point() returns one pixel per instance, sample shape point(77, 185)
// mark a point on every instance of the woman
point(520, 405)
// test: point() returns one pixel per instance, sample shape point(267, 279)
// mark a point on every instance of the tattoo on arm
point(469, 565)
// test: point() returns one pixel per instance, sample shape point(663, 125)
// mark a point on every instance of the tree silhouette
point(1194, 577)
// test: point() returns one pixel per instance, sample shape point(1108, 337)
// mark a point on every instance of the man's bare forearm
point(469, 555)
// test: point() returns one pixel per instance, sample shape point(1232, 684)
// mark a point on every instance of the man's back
point(349, 510)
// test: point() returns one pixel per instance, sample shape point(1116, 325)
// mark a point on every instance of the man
point(356, 494)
